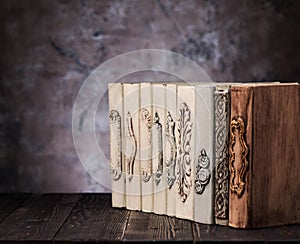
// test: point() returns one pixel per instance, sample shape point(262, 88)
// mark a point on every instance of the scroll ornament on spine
point(202, 172)
point(238, 163)
point(116, 155)
point(157, 148)
point(183, 158)
point(132, 140)
point(222, 168)
point(147, 121)
point(171, 161)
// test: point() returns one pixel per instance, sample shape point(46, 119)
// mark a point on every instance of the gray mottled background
point(48, 48)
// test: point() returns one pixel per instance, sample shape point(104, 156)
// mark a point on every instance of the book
point(146, 121)
point(222, 119)
point(116, 116)
point(204, 153)
point(264, 155)
point(170, 149)
point(158, 142)
point(131, 103)
point(185, 151)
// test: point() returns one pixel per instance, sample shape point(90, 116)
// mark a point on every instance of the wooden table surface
point(90, 218)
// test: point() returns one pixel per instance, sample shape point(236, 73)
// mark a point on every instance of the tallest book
point(264, 155)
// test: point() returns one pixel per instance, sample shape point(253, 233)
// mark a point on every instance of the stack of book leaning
point(214, 153)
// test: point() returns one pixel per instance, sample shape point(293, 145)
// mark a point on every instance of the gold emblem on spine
point(237, 132)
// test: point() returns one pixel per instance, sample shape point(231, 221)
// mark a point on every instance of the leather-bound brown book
point(264, 160)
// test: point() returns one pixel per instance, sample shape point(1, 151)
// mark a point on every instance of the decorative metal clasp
point(237, 186)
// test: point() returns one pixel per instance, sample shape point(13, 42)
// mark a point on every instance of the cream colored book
point(131, 100)
point(185, 135)
point(204, 155)
point(170, 148)
point(116, 117)
point(158, 140)
point(146, 120)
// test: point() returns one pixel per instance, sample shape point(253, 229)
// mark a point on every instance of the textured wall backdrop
point(48, 48)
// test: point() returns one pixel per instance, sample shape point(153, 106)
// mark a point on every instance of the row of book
point(224, 153)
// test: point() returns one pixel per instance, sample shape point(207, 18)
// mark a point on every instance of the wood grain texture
point(9, 202)
point(241, 107)
point(94, 219)
point(221, 233)
point(204, 232)
point(150, 227)
point(38, 218)
point(276, 161)
point(271, 115)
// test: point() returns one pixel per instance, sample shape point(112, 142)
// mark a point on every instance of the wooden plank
point(9, 202)
point(203, 232)
point(93, 219)
point(151, 227)
point(38, 218)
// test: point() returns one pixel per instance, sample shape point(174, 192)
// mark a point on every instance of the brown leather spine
point(240, 151)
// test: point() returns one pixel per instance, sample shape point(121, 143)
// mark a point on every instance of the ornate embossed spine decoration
point(221, 144)
point(183, 158)
point(147, 120)
point(116, 165)
point(157, 147)
point(237, 131)
point(171, 161)
point(132, 139)
point(202, 172)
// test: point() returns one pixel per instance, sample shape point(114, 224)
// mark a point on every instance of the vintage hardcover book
point(131, 101)
point(158, 141)
point(115, 91)
point(264, 155)
point(170, 148)
point(222, 118)
point(185, 151)
point(146, 121)
point(204, 153)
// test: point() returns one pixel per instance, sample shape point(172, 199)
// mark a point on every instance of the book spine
point(116, 147)
point(222, 120)
point(131, 139)
point(204, 157)
point(170, 149)
point(239, 157)
point(185, 138)
point(146, 121)
point(158, 159)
